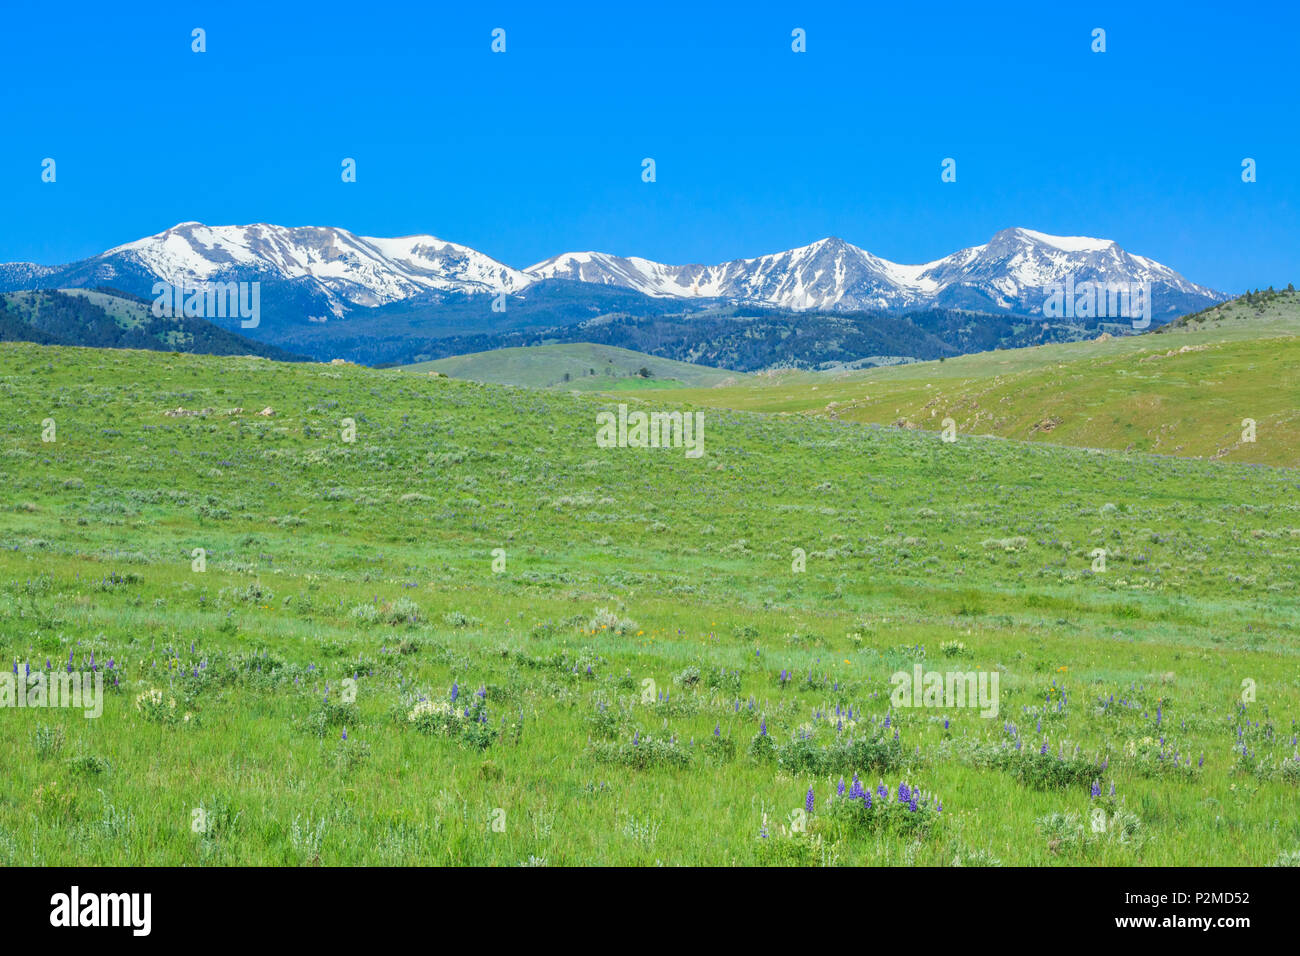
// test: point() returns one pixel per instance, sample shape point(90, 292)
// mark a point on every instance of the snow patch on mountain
point(1010, 271)
point(350, 269)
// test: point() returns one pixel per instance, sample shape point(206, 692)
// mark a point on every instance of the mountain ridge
point(326, 272)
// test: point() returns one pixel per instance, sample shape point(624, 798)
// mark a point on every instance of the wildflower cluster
point(465, 722)
point(156, 707)
point(908, 810)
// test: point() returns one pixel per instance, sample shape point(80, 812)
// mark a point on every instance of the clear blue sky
point(538, 151)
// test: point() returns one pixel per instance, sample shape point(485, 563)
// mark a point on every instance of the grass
point(588, 367)
point(646, 601)
point(1184, 392)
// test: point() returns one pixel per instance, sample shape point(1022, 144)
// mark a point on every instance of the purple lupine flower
point(1096, 789)
point(856, 791)
point(839, 790)
point(345, 733)
point(808, 801)
point(455, 691)
point(636, 738)
point(1044, 750)
point(903, 793)
point(762, 727)
point(882, 791)
point(911, 804)
point(717, 730)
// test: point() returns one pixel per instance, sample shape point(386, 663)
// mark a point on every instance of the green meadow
point(402, 619)
point(1183, 391)
point(580, 366)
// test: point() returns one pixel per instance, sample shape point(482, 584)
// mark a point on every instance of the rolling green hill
point(400, 619)
point(579, 365)
point(1183, 391)
point(109, 319)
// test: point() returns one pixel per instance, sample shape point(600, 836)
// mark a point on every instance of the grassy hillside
point(104, 319)
point(749, 338)
point(647, 678)
point(1185, 391)
point(580, 365)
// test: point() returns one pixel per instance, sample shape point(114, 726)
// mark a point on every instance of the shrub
point(47, 740)
point(1067, 834)
point(762, 747)
point(606, 620)
point(723, 679)
point(642, 753)
point(846, 754)
point(457, 619)
point(465, 723)
point(689, 677)
point(156, 707)
point(332, 714)
point(954, 649)
point(401, 611)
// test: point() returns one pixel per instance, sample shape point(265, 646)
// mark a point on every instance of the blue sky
point(538, 151)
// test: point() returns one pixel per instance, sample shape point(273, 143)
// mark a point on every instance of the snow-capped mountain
point(1011, 271)
point(1008, 273)
point(338, 269)
point(316, 274)
point(828, 274)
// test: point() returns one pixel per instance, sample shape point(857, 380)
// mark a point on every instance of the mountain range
point(325, 286)
point(1007, 273)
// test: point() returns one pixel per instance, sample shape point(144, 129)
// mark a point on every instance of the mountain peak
point(1065, 243)
point(832, 244)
